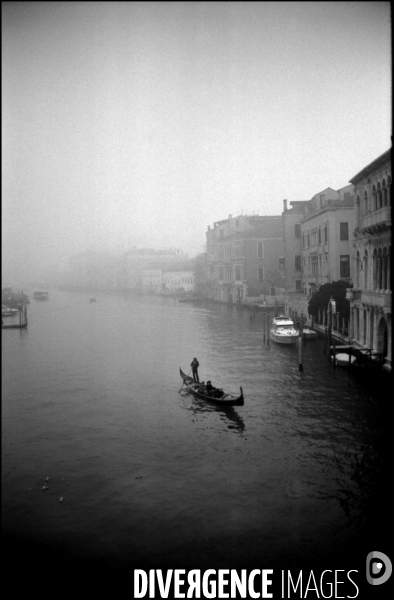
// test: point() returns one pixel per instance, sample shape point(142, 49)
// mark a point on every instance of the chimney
point(230, 217)
point(284, 205)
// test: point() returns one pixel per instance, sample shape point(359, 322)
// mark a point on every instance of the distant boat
point(40, 295)
point(92, 299)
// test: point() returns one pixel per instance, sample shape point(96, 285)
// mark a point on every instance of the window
point(221, 271)
point(259, 249)
point(237, 251)
point(272, 291)
point(326, 232)
point(229, 273)
point(344, 267)
point(260, 273)
point(319, 235)
point(298, 263)
point(297, 230)
point(298, 285)
point(238, 272)
point(221, 233)
point(227, 251)
point(343, 231)
point(282, 263)
point(220, 253)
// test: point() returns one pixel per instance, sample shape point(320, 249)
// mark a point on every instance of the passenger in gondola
point(210, 388)
point(194, 365)
point(202, 388)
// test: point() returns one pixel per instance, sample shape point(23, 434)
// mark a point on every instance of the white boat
point(342, 359)
point(283, 331)
point(310, 334)
point(7, 311)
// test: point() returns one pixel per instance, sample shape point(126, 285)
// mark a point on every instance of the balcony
point(376, 221)
point(382, 299)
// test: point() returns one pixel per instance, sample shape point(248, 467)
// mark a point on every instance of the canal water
point(142, 476)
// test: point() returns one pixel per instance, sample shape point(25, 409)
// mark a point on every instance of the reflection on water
point(153, 478)
point(228, 414)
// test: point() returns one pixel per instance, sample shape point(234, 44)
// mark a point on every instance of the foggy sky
point(143, 123)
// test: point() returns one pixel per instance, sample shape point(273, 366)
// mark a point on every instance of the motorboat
point(283, 331)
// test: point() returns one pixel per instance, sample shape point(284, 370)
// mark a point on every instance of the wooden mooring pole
point(300, 359)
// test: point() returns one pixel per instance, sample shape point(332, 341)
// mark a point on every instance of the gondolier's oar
point(183, 382)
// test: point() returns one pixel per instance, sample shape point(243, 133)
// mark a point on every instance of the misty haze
point(182, 183)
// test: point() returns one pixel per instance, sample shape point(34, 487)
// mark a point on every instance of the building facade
point(243, 257)
point(371, 296)
point(326, 231)
point(292, 243)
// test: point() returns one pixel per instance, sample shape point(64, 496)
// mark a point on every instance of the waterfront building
point(178, 281)
point(326, 238)
point(292, 260)
point(371, 296)
point(243, 257)
point(138, 260)
point(151, 281)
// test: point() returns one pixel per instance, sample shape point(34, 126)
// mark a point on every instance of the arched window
point(358, 212)
point(389, 191)
point(366, 270)
point(371, 327)
point(374, 199)
point(357, 270)
point(384, 187)
point(380, 270)
point(365, 202)
point(385, 269)
point(379, 197)
point(375, 270)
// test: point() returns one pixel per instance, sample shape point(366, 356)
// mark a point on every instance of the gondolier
point(194, 365)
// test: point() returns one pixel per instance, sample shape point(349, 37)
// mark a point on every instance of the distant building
point(91, 270)
point(137, 260)
point(243, 257)
point(151, 281)
point(371, 296)
point(178, 281)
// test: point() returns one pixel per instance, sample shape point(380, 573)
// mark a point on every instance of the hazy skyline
point(143, 123)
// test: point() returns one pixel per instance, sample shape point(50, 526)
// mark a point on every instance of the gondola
point(225, 400)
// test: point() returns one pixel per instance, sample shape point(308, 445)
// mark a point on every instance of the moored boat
point(342, 359)
point(8, 311)
point(283, 331)
point(309, 334)
point(193, 387)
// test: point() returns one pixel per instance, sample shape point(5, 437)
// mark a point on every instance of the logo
point(379, 568)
